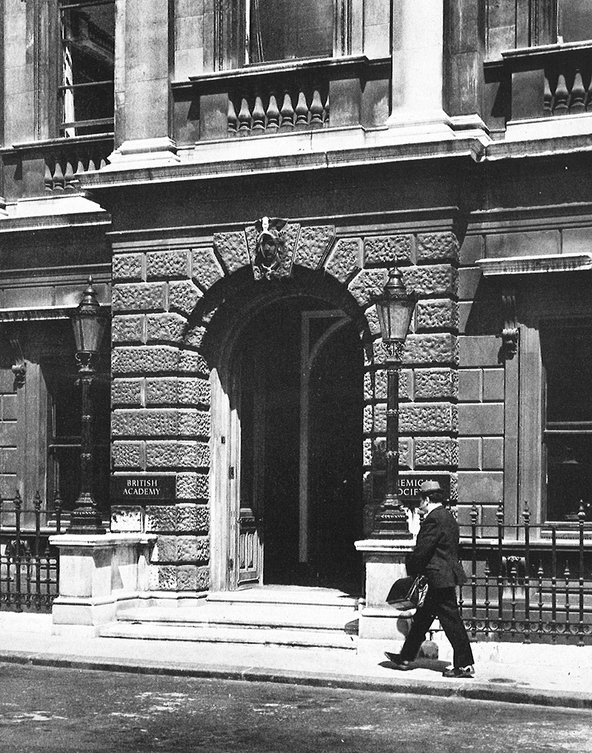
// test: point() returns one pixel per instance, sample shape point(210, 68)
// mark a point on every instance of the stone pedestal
point(99, 575)
point(384, 561)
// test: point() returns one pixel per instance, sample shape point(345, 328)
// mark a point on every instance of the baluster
point(316, 110)
point(18, 503)
point(547, 98)
point(231, 118)
point(566, 577)
point(48, 178)
point(287, 114)
point(500, 576)
point(301, 112)
point(258, 117)
point(577, 95)
point(553, 625)
point(561, 96)
point(589, 96)
point(91, 165)
point(102, 163)
point(474, 518)
point(58, 178)
point(326, 112)
point(526, 519)
point(69, 180)
point(540, 573)
point(244, 119)
point(273, 114)
point(80, 167)
point(37, 554)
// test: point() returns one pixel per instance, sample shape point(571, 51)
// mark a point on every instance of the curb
point(469, 690)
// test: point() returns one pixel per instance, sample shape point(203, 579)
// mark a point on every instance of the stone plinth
point(99, 575)
point(384, 561)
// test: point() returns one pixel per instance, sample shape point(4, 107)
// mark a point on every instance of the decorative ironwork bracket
point(510, 332)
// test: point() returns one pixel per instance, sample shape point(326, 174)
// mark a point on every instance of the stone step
point(327, 639)
point(326, 597)
point(248, 615)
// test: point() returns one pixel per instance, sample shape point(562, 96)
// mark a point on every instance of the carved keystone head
point(269, 249)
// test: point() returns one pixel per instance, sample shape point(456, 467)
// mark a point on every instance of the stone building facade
point(413, 133)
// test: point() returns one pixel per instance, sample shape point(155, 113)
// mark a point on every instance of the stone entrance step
point(288, 616)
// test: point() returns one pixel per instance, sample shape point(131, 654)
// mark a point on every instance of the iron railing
point(29, 566)
point(529, 583)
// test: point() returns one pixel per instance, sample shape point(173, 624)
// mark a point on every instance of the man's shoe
point(459, 672)
point(399, 663)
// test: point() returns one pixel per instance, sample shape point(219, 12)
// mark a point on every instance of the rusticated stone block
point(161, 518)
point(372, 319)
point(384, 249)
point(128, 329)
point(192, 486)
point(206, 268)
point(435, 384)
point(437, 247)
point(177, 455)
point(144, 360)
point(436, 314)
point(167, 577)
point(127, 267)
point(437, 348)
point(187, 579)
point(367, 285)
point(345, 259)
point(183, 296)
point(192, 517)
point(167, 264)
point(160, 422)
point(437, 279)
point(138, 296)
point(435, 452)
point(127, 392)
point(313, 244)
point(193, 362)
point(367, 453)
point(178, 390)
point(193, 549)
point(165, 328)
point(167, 548)
point(375, 385)
point(232, 250)
point(128, 455)
point(428, 418)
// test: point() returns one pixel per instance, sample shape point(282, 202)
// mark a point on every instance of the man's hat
point(430, 486)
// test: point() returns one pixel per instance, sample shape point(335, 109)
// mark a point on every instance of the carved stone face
point(268, 248)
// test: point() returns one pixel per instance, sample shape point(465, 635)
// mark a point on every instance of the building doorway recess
point(294, 464)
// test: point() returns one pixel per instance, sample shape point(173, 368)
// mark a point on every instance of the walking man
point(436, 556)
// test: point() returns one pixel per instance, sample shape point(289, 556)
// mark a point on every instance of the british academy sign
point(142, 490)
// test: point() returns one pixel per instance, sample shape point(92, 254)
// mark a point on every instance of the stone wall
point(161, 392)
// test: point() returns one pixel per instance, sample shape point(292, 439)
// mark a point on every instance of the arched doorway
point(296, 403)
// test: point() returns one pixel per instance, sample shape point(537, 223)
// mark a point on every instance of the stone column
point(142, 106)
point(417, 67)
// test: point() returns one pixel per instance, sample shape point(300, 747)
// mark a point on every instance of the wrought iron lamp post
point(89, 326)
point(394, 308)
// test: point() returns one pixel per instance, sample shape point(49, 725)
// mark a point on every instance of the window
point(249, 32)
point(63, 434)
point(288, 29)
point(87, 32)
point(567, 360)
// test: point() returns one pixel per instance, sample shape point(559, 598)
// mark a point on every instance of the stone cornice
point(520, 265)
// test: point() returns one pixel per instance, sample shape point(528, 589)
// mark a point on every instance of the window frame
point(231, 33)
point(69, 128)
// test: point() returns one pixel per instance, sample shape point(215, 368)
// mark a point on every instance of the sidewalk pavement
point(516, 673)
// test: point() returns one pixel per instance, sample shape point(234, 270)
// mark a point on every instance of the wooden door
point(249, 444)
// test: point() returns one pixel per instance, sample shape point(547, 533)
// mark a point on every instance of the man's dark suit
point(436, 556)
